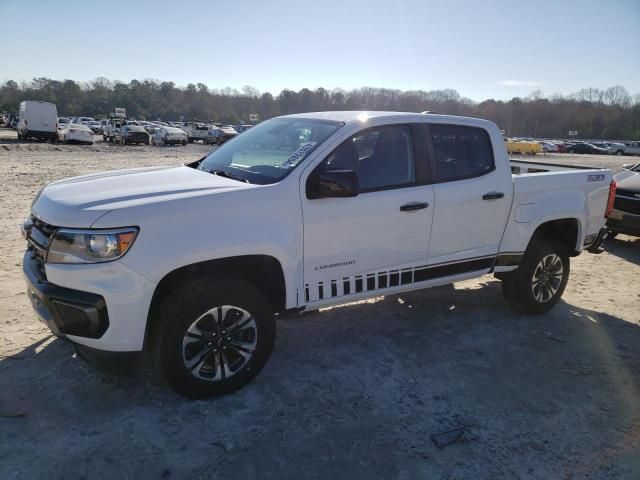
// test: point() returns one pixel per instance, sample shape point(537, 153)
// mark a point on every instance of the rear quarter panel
point(547, 196)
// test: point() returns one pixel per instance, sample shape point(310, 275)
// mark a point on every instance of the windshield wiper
point(222, 173)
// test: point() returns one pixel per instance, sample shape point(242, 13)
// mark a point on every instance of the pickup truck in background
point(111, 128)
point(193, 264)
point(125, 132)
point(620, 149)
point(196, 131)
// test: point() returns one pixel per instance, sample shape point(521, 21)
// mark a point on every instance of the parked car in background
point(168, 136)
point(95, 126)
point(549, 147)
point(37, 119)
point(131, 133)
point(76, 133)
point(228, 132)
point(603, 145)
point(83, 120)
point(215, 136)
point(148, 126)
point(562, 148)
point(625, 217)
point(242, 128)
point(62, 122)
point(582, 148)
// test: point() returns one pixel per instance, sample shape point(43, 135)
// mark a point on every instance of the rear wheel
point(538, 283)
point(122, 140)
point(212, 338)
point(619, 152)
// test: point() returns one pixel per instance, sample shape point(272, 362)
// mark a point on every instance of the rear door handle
point(492, 195)
point(410, 207)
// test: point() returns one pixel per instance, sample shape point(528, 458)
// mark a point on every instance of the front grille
point(627, 204)
point(39, 237)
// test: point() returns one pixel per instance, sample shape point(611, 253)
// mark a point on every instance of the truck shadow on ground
point(625, 247)
point(359, 388)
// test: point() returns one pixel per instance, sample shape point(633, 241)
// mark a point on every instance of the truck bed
point(524, 167)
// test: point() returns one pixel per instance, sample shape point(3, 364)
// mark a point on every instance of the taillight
point(612, 198)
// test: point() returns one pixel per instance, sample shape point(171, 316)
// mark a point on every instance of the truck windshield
point(266, 153)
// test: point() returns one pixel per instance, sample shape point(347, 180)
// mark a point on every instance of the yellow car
point(523, 147)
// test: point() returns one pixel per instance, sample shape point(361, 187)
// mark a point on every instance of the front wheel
point(538, 283)
point(212, 338)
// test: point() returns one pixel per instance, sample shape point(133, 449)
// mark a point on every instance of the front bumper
point(65, 311)
point(109, 300)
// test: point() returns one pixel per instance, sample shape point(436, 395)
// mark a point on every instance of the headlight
point(90, 246)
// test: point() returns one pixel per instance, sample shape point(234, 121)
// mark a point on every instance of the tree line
point(611, 113)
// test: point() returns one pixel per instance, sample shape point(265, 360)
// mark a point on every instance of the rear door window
point(461, 152)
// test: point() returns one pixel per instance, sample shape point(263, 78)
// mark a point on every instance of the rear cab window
point(460, 152)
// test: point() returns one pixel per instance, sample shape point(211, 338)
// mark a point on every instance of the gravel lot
point(358, 391)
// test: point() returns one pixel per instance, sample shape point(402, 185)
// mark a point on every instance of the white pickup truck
point(194, 263)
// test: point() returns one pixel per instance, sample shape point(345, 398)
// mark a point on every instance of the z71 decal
point(595, 178)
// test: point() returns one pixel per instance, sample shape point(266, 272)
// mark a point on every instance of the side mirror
point(335, 184)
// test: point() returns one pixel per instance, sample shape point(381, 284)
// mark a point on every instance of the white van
point(37, 119)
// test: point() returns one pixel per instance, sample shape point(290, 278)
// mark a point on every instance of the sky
point(483, 49)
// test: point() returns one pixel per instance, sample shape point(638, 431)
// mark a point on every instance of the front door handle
point(410, 207)
point(492, 195)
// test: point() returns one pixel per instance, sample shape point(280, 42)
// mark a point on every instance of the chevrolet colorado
point(193, 264)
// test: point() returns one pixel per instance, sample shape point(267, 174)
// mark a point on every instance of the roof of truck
point(363, 115)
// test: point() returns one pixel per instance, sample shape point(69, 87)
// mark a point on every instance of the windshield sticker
point(298, 154)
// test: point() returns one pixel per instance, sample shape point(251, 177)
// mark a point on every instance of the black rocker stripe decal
point(406, 276)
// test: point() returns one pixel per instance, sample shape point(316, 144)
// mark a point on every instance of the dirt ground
point(359, 391)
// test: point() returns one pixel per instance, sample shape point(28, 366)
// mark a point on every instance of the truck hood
point(78, 202)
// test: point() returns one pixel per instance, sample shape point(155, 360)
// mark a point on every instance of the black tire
point(619, 152)
point(184, 143)
point(104, 138)
point(193, 307)
point(538, 283)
